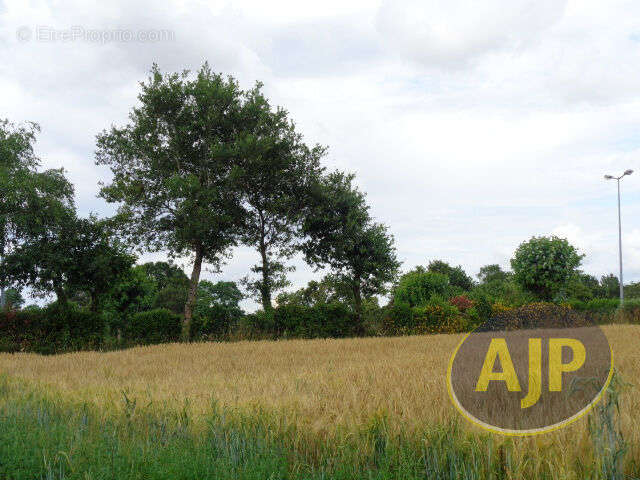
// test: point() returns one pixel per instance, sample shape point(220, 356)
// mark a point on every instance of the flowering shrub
point(437, 316)
point(498, 307)
point(539, 314)
point(461, 302)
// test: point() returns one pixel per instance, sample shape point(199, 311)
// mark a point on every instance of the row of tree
point(202, 166)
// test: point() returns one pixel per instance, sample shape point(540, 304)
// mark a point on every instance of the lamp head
point(609, 177)
point(628, 172)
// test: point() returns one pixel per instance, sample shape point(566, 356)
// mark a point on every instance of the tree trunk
point(191, 297)
point(94, 303)
point(2, 238)
point(61, 295)
point(265, 287)
point(357, 298)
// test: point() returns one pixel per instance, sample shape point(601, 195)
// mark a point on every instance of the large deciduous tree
point(341, 235)
point(492, 273)
point(543, 265)
point(457, 276)
point(32, 202)
point(70, 256)
point(277, 170)
point(175, 168)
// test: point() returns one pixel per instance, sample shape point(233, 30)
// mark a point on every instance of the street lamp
point(611, 177)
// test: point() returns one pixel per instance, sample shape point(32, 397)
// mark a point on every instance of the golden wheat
point(318, 384)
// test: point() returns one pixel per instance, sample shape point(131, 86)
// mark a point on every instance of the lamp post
point(611, 177)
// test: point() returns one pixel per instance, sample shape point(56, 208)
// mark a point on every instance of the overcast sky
point(471, 125)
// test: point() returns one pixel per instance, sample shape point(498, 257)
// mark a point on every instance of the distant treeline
point(204, 166)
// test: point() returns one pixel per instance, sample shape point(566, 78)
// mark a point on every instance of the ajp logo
point(530, 370)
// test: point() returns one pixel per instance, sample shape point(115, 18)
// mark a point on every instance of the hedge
point(153, 326)
point(51, 330)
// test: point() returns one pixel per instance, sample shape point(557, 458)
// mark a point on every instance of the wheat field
point(326, 388)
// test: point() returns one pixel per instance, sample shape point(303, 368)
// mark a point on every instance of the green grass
point(42, 437)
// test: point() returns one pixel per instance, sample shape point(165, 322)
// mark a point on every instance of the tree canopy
point(32, 202)
point(456, 275)
point(175, 167)
point(543, 265)
point(342, 236)
point(276, 168)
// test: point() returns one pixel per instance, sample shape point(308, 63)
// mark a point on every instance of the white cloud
point(456, 32)
point(471, 126)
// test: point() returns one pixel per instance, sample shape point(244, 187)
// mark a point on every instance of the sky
point(471, 126)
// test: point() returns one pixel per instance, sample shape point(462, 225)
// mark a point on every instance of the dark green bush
point(399, 318)
point(596, 305)
point(436, 316)
point(320, 320)
point(260, 321)
point(631, 311)
point(214, 321)
point(332, 320)
point(416, 288)
point(53, 329)
point(154, 326)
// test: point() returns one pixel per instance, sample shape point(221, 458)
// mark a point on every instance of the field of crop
point(353, 408)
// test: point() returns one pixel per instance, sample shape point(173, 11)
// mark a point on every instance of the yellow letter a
point(498, 348)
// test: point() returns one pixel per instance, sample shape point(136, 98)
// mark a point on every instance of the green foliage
point(171, 298)
point(174, 167)
point(630, 311)
point(51, 330)
point(165, 274)
point(12, 299)
point(608, 310)
point(580, 289)
point(153, 326)
point(321, 320)
point(134, 292)
point(492, 273)
point(30, 199)
point(272, 278)
point(610, 286)
point(297, 320)
point(544, 264)
point(44, 437)
point(217, 309)
point(456, 275)
point(166, 284)
point(399, 319)
point(342, 236)
point(275, 169)
point(74, 255)
point(437, 315)
point(507, 292)
point(434, 316)
point(597, 305)
point(32, 203)
point(417, 287)
point(632, 290)
point(481, 310)
point(328, 290)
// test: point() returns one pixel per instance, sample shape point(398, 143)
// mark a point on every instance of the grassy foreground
point(359, 408)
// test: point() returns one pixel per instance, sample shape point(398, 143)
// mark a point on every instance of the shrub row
point(294, 320)
point(436, 316)
point(50, 330)
point(55, 330)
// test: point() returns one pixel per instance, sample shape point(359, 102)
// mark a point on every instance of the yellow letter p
point(556, 367)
